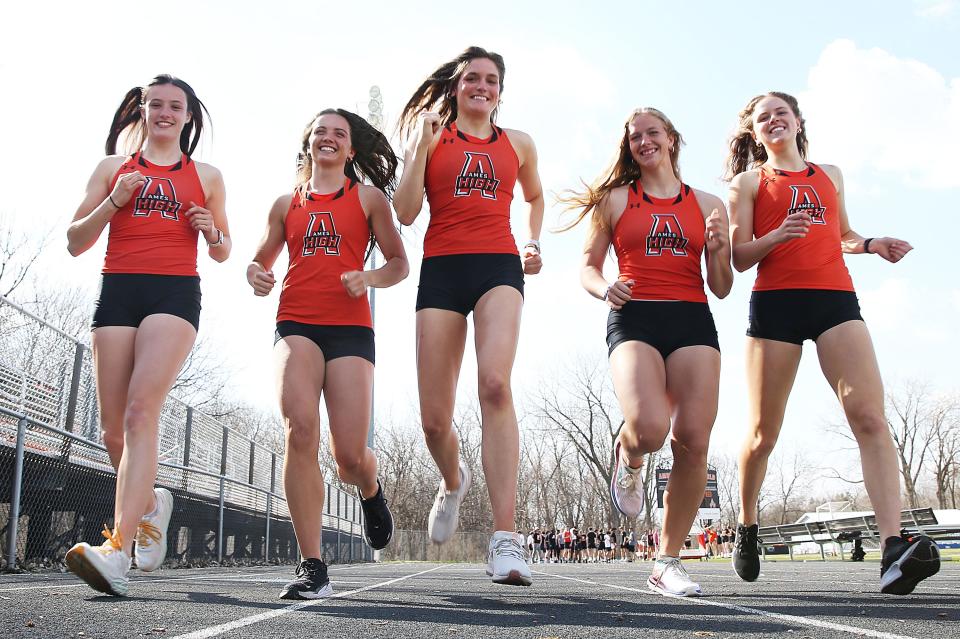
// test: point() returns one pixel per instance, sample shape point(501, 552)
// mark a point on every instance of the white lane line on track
point(55, 585)
point(791, 619)
point(213, 631)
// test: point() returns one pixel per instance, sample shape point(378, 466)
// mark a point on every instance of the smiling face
point(165, 111)
point(774, 122)
point(650, 144)
point(329, 140)
point(478, 89)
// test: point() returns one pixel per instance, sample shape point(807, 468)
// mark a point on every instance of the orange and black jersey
point(811, 262)
point(326, 236)
point(151, 233)
point(469, 185)
point(659, 243)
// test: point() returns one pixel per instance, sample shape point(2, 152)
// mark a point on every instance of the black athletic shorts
point(457, 282)
point(127, 298)
point(795, 315)
point(333, 341)
point(666, 326)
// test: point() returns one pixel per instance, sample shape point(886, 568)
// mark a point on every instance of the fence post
point(220, 524)
point(266, 549)
point(74, 388)
point(15, 496)
point(187, 438)
point(253, 454)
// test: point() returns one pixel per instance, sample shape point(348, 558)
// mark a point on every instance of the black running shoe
point(746, 552)
point(311, 582)
point(907, 560)
point(377, 520)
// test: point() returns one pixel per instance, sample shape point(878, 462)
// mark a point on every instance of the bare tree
point(945, 450)
point(19, 252)
point(791, 478)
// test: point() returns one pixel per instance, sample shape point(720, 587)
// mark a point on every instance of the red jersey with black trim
point(326, 235)
point(469, 184)
point(659, 243)
point(814, 261)
point(151, 233)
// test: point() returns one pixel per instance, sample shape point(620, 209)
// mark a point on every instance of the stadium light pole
point(375, 118)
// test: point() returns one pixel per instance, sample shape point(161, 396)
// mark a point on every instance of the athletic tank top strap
point(469, 184)
point(151, 233)
point(659, 243)
point(811, 262)
point(327, 235)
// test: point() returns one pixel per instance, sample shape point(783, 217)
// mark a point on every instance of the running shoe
point(377, 520)
point(907, 560)
point(626, 487)
point(746, 552)
point(507, 561)
point(151, 547)
point(103, 567)
point(446, 509)
point(311, 582)
point(669, 577)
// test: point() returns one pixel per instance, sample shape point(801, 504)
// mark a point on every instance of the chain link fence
point(415, 545)
point(57, 484)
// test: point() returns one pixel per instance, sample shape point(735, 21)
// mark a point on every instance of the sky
point(878, 82)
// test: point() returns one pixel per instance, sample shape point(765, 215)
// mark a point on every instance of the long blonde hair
point(623, 170)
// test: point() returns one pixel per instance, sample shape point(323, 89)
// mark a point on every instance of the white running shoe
point(445, 513)
point(626, 488)
point(507, 561)
point(104, 567)
point(151, 547)
point(669, 577)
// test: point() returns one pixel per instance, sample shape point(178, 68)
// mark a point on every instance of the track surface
point(401, 600)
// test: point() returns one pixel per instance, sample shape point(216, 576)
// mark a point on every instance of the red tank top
point(659, 243)
point(151, 233)
point(469, 184)
point(815, 261)
point(326, 236)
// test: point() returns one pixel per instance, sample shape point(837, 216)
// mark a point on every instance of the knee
point(867, 422)
point(494, 390)
point(140, 418)
point(436, 424)
point(692, 449)
point(349, 464)
point(760, 443)
point(641, 435)
point(303, 436)
point(112, 435)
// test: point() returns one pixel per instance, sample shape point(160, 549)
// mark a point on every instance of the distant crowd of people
point(599, 544)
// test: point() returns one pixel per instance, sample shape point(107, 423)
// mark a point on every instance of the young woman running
point(664, 353)
point(324, 342)
point(156, 201)
point(788, 218)
point(467, 167)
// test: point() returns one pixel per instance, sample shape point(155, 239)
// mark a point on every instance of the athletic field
point(415, 600)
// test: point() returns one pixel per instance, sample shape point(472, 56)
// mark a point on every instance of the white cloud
point(934, 8)
point(868, 109)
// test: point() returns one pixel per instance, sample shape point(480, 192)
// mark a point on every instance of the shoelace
point(305, 570)
point(112, 543)
point(676, 566)
point(741, 541)
point(510, 548)
point(147, 533)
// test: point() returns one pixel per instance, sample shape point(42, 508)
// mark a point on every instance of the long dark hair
point(436, 92)
point(130, 115)
point(623, 170)
point(373, 159)
point(744, 152)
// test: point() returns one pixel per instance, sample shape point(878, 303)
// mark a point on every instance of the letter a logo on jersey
point(806, 200)
point(157, 194)
point(321, 236)
point(477, 174)
point(666, 234)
